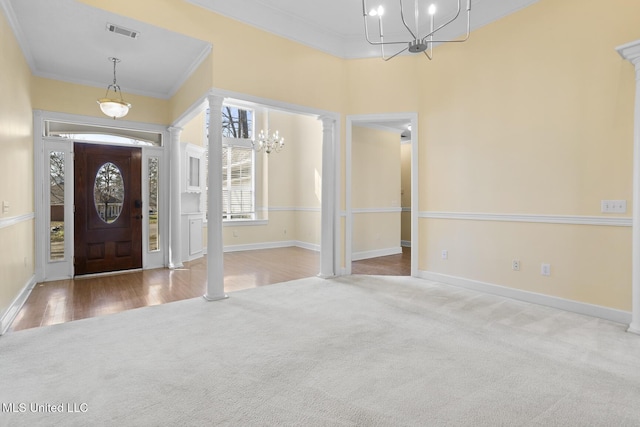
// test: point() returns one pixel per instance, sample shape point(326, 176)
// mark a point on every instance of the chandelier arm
point(427, 55)
point(466, 37)
point(393, 56)
point(449, 21)
point(405, 22)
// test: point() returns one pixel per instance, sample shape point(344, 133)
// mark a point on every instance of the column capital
point(327, 122)
point(631, 52)
point(215, 100)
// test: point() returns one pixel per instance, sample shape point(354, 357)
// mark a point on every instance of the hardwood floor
point(392, 265)
point(62, 301)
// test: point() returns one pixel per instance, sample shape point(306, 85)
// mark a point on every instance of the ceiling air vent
point(123, 31)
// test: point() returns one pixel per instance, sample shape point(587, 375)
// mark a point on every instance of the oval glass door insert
point(108, 192)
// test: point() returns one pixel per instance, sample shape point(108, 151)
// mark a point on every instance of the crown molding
point(12, 20)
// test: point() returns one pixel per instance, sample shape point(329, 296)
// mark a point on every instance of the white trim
point(631, 52)
point(291, 209)
point(305, 245)
point(13, 220)
point(607, 313)
point(546, 219)
point(405, 243)
point(375, 210)
point(272, 104)
point(12, 311)
point(243, 222)
point(271, 245)
point(357, 256)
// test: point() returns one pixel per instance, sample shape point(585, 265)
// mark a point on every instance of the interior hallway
point(62, 301)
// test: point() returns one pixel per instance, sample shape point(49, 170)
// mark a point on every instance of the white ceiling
point(67, 40)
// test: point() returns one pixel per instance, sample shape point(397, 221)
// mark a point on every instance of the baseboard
point(357, 256)
point(405, 243)
point(14, 308)
point(269, 245)
point(592, 310)
point(309, 246)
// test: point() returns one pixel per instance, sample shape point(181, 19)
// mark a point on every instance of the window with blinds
point(237, 182)
point(238, 163)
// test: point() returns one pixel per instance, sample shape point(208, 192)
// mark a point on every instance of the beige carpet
point(356, 351)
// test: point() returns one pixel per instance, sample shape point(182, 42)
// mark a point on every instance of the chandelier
point(115, 107)
point(417, 42)
point(268, 143)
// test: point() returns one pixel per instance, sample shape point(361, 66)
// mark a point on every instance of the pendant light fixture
point(421, 37)
point(115, 106)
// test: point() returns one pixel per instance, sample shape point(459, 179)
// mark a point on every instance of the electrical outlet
point(545, 269)
point(515, 265)
point(5, 207)
point(445, 254)
point(613, 206)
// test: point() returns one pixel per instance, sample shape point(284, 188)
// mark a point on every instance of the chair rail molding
point(631, 52)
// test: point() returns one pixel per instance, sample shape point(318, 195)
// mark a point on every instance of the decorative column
point(175, 248)
point(631, 52)
point(215, 245)
point(328, 233)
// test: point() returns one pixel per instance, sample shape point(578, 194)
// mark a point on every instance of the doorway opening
point(381, 195)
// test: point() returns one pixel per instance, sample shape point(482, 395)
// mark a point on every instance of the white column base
point(215, 298)
point(634, 329)
point(325, 276)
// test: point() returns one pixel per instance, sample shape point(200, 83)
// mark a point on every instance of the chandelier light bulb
point(379, 11)
point(432, 9)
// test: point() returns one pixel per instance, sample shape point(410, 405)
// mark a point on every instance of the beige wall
point(405, 184)
point(16, 168)
point(55, 95)
point(194, 132)
point(196, 86)
point(375, 185)
point(524, 121)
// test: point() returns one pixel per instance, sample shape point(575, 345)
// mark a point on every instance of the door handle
point(138, 216)
point(138, 204)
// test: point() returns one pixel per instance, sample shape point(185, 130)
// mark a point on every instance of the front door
point(108, 208)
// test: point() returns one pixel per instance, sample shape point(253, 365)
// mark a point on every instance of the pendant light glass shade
point(115, 106)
